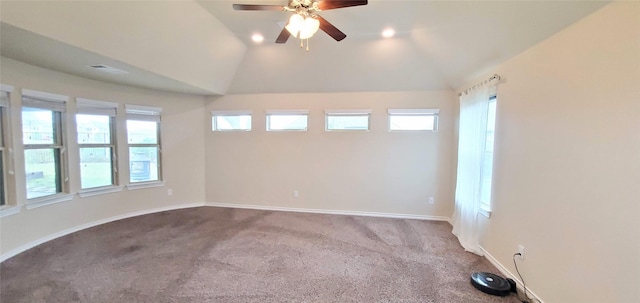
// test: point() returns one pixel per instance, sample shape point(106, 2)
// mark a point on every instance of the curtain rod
point(466, 91)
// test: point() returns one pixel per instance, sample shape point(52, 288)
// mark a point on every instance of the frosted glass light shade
point(296, 22)
point(309, 28)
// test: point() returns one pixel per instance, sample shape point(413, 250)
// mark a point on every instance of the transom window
point(413, 119)
point(287, 120)
point(347, 119)
point(231, 120)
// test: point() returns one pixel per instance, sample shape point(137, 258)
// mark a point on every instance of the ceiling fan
point(305, 22)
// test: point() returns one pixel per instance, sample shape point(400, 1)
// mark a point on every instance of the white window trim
point(485, 206)
point(424, 112)
point(145, 113)
point(30, 93)
point(100, 108)
point(485, 211)
point(293, 112)
point(231, 113)
point(141, 185)
point(8, 210)
point(99, 191)
point(48, 200)
point(347, 112)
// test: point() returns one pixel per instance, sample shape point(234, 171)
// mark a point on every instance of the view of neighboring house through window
point(287, 120)
point(95, 127)
point(413, 119)
point(487, 161)
point(347, 119)
point(231, 120)
point(44, 150)
point(143, 138)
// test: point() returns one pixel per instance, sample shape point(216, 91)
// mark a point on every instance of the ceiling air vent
point(108, 69)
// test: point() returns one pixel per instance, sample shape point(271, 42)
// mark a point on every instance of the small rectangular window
point(347, 119)
point(143, 138)
point(413, 119)
point(231, 120)
point(287, 120)
point(95, 123)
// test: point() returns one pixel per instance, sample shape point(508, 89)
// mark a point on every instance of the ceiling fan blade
point(283, 37)
point(331, 30)
point(333, 4)
point(257, 7)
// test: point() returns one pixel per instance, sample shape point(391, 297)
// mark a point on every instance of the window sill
point(99, 191)
point(9, 210)
point(142, 185)
point(485, 211)
point(44, 201)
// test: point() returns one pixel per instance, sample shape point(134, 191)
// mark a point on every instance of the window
point(413, 119)
point(347, 119)
point(4, 106)
point(231, 120)
point(287, 120)
point(44, 149)
point(143, 137)
point(487, 160)
point(95, 122)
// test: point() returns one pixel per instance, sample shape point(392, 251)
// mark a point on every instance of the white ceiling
point(439, 45)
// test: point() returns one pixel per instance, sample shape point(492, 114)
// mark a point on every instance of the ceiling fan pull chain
point(301, 43)
point(307, 44)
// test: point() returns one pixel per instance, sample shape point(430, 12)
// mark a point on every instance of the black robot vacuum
point(492, 284)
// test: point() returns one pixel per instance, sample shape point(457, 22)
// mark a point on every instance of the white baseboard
point(332, 212)
point(71, 230)
point(508, 274)
point(65, 232)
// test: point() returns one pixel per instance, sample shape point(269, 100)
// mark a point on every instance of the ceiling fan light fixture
point(309, 28)
point(296, 22)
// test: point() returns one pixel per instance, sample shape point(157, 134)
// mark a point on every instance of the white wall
point(567, 168)
point(182, 130)
point(374, 171)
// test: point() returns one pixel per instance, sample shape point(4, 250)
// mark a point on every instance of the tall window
point(487, 160)
point(413, 119)
point(231, 120)
point(44, 150)
point(347, 119)
point(96, 140)
point(143, 137)
point(4, 105)
point(287, 120)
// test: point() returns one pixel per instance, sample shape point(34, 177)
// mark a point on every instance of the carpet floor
point(211, 254)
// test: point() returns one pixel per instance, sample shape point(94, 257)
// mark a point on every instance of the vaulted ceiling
point(205, 47)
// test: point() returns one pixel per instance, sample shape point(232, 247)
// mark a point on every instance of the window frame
point(149, 114)
point(57, 105)
point(485, 206)
point(230, 113)
point(347, 113)
point(99, 108)
point(300, 112)
point(413, 113)
point(8, 203)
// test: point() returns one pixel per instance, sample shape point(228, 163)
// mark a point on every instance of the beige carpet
point(213, 254)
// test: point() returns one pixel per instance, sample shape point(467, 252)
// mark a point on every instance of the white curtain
point(472, 138)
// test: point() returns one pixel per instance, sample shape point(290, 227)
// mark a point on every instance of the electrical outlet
point(521, 252)
point(431, 200)
point(296, 193)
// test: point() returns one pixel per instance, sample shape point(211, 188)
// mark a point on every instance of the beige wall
point(374, 171)
point(567, 168)
point(182, 152)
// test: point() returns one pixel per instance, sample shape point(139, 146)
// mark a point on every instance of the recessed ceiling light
point(257, 38)
point(388, 33)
